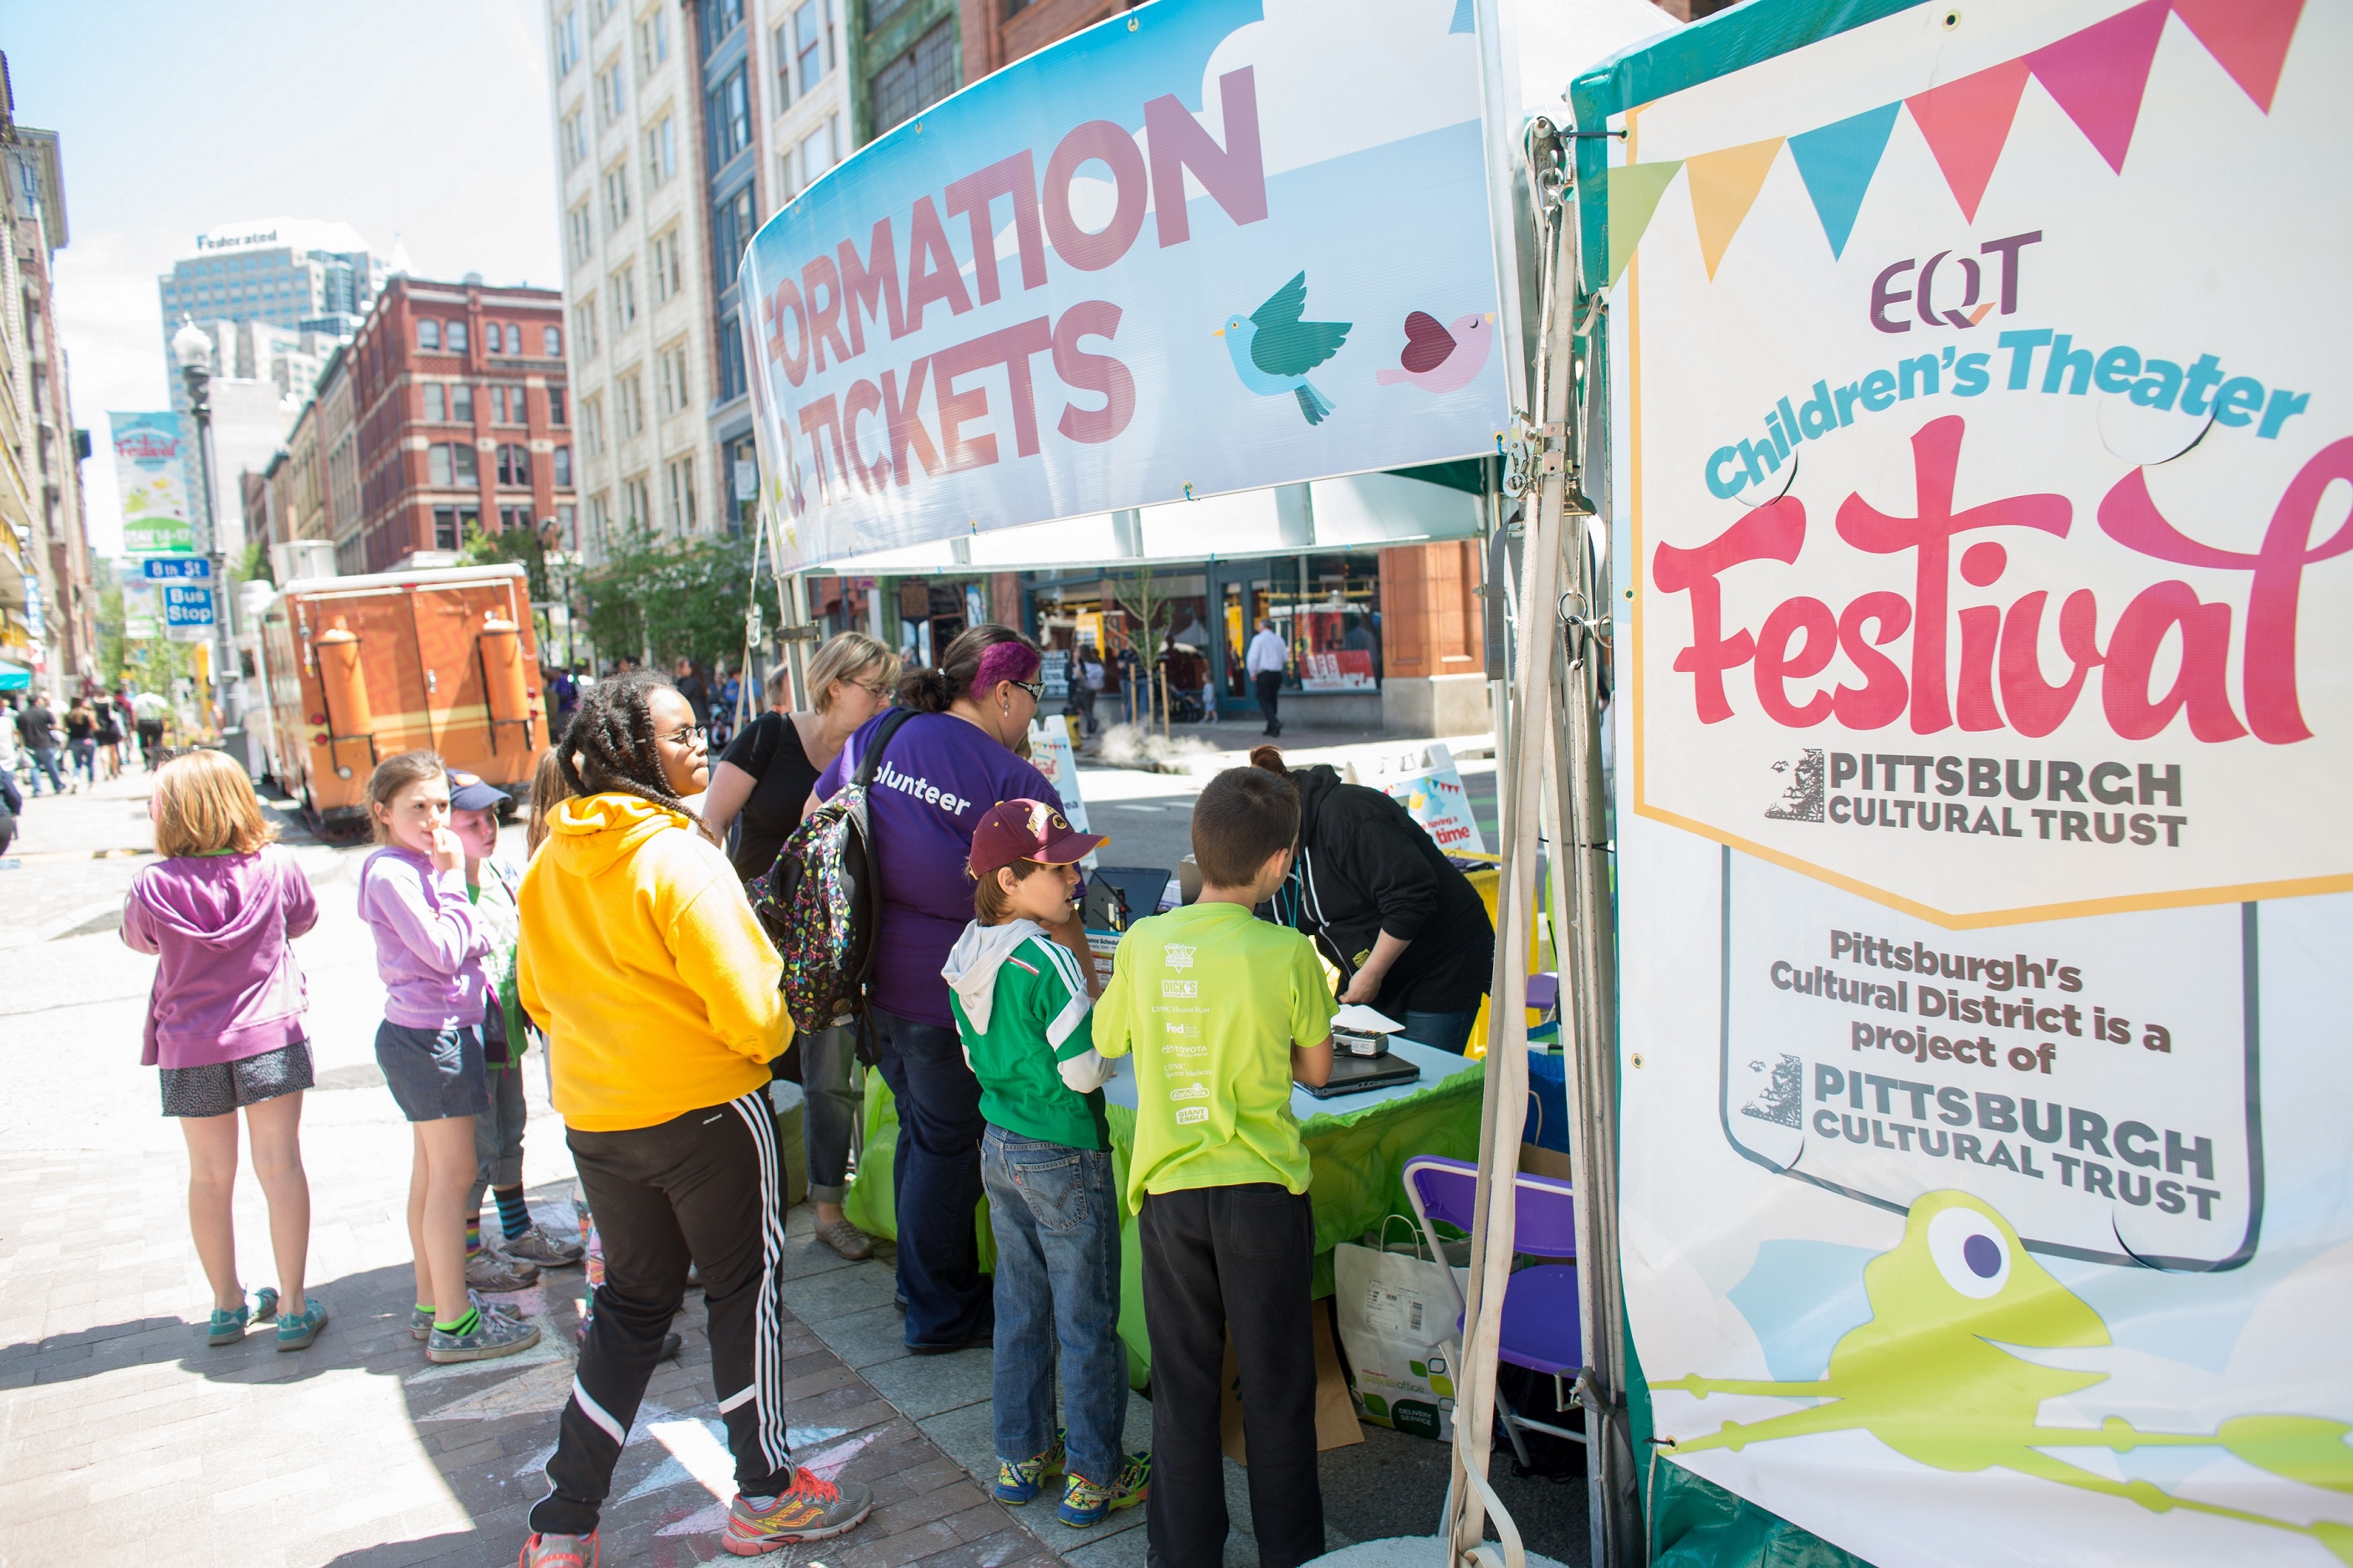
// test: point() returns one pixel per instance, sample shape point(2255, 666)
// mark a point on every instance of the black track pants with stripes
point(706, 1187)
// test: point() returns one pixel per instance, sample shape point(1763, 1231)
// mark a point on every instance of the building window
point(567, 43)
point(573, 139)
point(564, 467)
point(729, 112)
point(786, 186)
point(450, 463)
point(661, 152)
point(732, 219)
point(555, 399)
point(637, 508)
point(612, 96)
point(494, 337)
point(513, 517)
point(624, 291)
point(582, 236)
point(817, 152)
point(428, 333)
point(592, 426)
point(880, 11)
point(732, 382)
point(445, 528)
point(600, 516)
point(456, 336)
point(616, 196)
point(653, 43)
point(682, 496)
point(720, 20)
point(813, 41)
point(437, 402)
point(514, 465)
point(670, 384)
point(667, 278)
point(584, 327)
point(916, 79)
point(630, 413)
point(461, 402)
point(499, 404)
point(551, 343)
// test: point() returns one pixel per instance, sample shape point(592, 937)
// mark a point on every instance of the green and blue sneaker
point(421, 1319)
point(227, 1327)
point(296, 1329)
point(1084, 1502)
point(1019, 1480)
point(479, 1336)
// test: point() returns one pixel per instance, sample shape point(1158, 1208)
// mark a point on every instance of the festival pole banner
point(1202, 246)
point(1983, 441)
point(150, 470)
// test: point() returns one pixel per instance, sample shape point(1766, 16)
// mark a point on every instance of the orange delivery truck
point(362, 669)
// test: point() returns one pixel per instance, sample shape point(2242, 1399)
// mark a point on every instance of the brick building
point(462, 408)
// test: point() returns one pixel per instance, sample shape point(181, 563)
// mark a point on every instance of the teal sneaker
point(1084, 1502)
point(227, 1327)
point(296, 1329)
point(1019, 1480)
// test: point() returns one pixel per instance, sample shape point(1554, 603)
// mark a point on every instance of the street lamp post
point(193, 350)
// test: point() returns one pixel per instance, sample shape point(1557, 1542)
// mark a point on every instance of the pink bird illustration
point(1441, 359)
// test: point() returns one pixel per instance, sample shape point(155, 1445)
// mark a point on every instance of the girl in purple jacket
point(225, 1024)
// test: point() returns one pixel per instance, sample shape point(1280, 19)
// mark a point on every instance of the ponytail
point(1270, 759)
point(935, 689)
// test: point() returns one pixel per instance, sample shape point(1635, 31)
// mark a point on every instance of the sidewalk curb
point(87, 919)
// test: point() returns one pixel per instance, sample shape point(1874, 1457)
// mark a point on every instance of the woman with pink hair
point(940, 771)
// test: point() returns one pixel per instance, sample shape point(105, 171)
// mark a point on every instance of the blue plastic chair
point(1540, 1320)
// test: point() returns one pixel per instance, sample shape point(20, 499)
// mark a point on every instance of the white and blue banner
point(1204, 247)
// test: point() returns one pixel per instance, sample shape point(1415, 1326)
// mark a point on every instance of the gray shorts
point(433, 1074)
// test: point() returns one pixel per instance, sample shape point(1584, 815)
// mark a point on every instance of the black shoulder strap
point(872, 761)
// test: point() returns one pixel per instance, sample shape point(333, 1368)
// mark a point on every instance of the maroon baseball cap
point(1027, 830)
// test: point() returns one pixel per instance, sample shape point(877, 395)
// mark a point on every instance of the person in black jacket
point(1373, 890)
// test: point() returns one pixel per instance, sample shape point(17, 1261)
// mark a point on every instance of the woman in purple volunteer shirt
point(941, 771)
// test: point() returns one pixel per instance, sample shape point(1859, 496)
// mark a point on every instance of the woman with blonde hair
point(225, 1024)
point(764, 778)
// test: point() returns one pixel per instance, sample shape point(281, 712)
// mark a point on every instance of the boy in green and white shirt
point(1021, 1008)
point(1222, 1011)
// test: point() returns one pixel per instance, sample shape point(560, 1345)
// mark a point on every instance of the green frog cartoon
point(1926, 1375)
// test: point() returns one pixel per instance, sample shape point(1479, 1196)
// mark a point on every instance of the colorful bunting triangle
point(2099, 74)
point(1724, 186)
point(1965, 123)
point(2248, 37)
point(1633, 193)
point(1837, 162)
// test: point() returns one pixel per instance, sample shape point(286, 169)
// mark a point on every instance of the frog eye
point(1971, 1252)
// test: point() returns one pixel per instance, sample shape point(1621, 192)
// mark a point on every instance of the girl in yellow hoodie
point(656, 989)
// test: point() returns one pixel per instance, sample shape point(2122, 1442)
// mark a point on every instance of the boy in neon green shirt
point(1222, 1011)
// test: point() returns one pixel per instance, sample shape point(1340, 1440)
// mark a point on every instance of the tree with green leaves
point(666, 601)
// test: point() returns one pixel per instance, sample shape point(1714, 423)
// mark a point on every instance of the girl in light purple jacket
point(225, 1022)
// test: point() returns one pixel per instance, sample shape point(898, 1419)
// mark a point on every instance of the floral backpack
point(822, 899)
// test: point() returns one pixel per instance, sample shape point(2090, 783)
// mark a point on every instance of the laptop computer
point(1355, 1075)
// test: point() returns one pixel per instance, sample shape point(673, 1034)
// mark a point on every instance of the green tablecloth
point(1357, 1159)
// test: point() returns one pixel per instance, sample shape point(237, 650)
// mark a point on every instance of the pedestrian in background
point(81, 740)
point(431, 953)
point(1267, 659)
point(109, 739)
point(656, 989)
point(764, 781)
point(36, 730)
point(226, 1024)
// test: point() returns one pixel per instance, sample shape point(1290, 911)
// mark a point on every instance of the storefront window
point(1326, 607)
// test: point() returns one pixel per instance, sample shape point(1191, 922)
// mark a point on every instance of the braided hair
point(610, 746)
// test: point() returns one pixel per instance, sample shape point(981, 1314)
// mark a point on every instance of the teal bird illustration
point(1274, 350)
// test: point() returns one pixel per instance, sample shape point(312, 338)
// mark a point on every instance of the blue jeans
point(45, 761)
point(1056, 1220)
point(935, 1179)
point(1440, 1031)
point(826, 1056)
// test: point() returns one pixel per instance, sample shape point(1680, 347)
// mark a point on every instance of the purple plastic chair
point(1540, 1320)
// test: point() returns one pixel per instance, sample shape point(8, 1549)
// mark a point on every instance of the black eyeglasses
point(1036, 689)
point(692, 736)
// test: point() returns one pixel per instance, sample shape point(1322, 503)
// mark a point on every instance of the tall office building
point(311, 281)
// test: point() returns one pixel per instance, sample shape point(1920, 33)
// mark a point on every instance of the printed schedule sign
point(1986, 709)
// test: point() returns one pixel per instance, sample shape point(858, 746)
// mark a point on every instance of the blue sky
point(428, 118)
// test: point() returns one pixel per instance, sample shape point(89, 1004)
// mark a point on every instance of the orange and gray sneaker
point(813, 1510)
point(559, 1552)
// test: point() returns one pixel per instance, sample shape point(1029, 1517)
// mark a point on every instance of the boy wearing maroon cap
point(1021, 1008)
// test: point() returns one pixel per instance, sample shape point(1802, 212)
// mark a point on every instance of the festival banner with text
point(1205, 245)
point(1984, 451)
